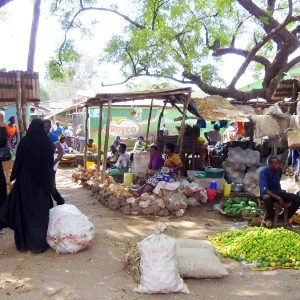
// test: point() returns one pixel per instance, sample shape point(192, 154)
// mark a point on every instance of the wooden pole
point(181, 132)
point(149, 119)
point(160, 117)
point(106, 141)
point(86, 135)
point(158, 140)
point(99, 137)
point(19, 104)
point(23, 101)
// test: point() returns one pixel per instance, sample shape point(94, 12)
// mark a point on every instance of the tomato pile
point(266, 248)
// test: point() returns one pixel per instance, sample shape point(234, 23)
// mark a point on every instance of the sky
point(16, 32)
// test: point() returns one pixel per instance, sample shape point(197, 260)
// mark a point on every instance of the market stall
point(172, 97)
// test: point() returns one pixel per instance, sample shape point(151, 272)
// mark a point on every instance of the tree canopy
point(186, 40)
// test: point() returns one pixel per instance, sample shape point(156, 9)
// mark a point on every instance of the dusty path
point(96, 273)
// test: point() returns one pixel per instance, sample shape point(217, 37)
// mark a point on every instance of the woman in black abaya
point(26, 209)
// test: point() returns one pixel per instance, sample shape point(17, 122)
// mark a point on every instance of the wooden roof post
point(148, 125)
point(23, 101)
point(160, 117)
point(19, 104)
point(86, 135)
point(99, 136)
point(182, 127)
point(106, 140)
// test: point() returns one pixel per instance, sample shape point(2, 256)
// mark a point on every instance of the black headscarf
point(34, 153)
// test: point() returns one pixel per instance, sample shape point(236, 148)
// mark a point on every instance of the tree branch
point(81, 10)
point(149, 75)
point(271, 6)
point(155, 12)
point(224, 92)
point(290, 8)
point(268, 23)
point(131, 59)
point(253, 52)
point(231, 50)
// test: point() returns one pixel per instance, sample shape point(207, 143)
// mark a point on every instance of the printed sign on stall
point(124, 128)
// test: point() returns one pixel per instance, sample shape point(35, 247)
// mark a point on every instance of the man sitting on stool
point(270, 191)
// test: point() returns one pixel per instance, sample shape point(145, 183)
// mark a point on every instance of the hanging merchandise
point(223, 123)
point(133, 112)
point(201, 123)
point(240, 129)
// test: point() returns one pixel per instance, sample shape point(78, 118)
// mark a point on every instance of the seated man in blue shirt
point(270, 190)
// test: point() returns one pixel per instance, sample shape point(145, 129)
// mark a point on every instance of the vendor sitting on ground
point(139, 145)
point(156, 161)
point(172, 165)
point(63, 141)
point(116, 143)
point(271, 192)
point(213, 136)
point(92, 147)
point(122, 164)
point(113, 156)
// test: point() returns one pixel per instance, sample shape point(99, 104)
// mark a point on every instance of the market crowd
point(33, 190)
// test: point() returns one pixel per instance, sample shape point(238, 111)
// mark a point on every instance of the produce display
point(117, 197)
point(260, 247)
point(236, 205)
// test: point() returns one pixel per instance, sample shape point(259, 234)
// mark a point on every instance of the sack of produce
point(69, 230)
point(193, 244)
point(158, 266)
point(199, 262)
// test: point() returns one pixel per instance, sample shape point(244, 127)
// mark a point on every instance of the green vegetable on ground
point(267, 248)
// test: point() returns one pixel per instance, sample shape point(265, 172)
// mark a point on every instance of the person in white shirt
point(165, 130)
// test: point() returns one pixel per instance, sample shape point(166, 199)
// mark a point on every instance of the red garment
point(240, 129)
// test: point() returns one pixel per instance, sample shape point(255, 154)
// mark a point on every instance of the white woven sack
point(69, 230)
point(189, 243)
point(199, 263)
point(159, 273)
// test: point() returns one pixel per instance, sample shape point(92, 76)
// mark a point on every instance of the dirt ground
point(96, 273)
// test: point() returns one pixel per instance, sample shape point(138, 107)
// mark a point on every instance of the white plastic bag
point(69, 230)
point(159, 273)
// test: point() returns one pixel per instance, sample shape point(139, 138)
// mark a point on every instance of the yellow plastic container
point(227, 189)
point(90, 164)
point(128, 179)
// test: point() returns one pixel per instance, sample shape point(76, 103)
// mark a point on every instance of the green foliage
point(61, 66)
point(44, 94)
point(176, 37)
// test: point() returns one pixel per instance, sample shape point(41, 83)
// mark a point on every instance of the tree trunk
point(34, 28)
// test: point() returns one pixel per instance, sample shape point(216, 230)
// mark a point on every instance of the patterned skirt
point(165, 174)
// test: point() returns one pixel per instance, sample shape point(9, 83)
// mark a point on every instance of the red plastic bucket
point(211, 194)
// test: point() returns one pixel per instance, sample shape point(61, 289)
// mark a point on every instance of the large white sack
point(69, 230)
point(189, 243)
point(199, 263)
point(159, 272)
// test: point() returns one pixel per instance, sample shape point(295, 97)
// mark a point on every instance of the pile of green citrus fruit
point(266, 248)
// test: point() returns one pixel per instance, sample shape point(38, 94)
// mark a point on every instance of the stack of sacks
point(241, 167)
